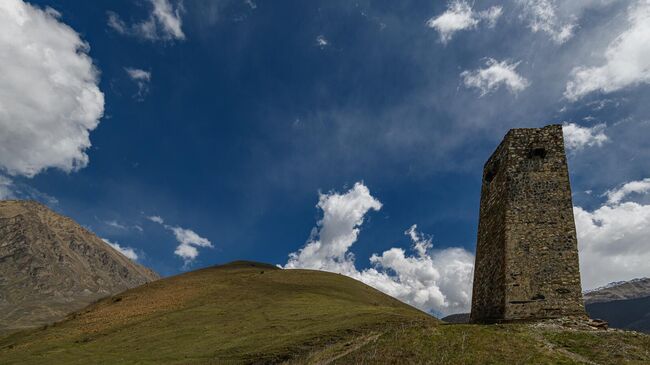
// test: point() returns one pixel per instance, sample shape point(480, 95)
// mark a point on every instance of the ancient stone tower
point(527, 255)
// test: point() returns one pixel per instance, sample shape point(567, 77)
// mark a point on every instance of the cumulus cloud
point(494, 75)
point(614, 239)
point(433, 280)
point(141, 79)
point(164, 23)
point(542, 16)
point(126, 251)
point(460, 16)
point(49, 95)
point(188, 240)
point(627, 59)
point(639, 187)
point(577, 137)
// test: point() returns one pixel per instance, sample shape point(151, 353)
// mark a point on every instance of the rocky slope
point(633, 289)
point(51, 266)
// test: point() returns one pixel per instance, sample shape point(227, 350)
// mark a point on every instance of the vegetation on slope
point(255, 313)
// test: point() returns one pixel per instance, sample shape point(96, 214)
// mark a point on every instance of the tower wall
point(527, 255)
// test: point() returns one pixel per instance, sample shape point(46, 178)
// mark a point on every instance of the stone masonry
point(527, 255)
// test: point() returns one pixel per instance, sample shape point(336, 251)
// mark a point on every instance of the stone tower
point(527, 255)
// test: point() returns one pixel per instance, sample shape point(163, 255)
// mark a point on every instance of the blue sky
point(236, 115)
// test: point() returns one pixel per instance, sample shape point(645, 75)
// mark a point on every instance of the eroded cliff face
point(51, 266)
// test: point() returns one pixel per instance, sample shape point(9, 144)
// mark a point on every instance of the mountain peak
point(50, 266)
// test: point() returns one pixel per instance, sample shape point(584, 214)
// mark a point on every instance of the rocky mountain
point(51, 266)
point(624, 304)
point(633, 289)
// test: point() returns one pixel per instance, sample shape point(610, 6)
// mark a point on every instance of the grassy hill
point(255, 313)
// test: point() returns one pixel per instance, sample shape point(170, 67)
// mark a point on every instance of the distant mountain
point(633, 289)
point(252, 313)
point(456, 318)
point(51, 266)
point(624, 304)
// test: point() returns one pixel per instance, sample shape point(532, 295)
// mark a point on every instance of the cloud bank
point(614, 239)
point(437, 281)
point(49, 95)
point(164, 23)
point(627, 59)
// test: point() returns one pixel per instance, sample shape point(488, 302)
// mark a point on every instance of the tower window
point(491, 173)
point(537, 152)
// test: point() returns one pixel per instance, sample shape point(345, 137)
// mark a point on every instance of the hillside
point(255, 313)
point(50, 266)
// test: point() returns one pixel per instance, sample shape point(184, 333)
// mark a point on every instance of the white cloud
point(321, 41)
point(49, 98)
point(337, 231)
point(627, 59)
point(156, 219)
point(432, 280)
point(142, 79)
point(614, 240)
point(542, 16)
point(577, 137)
point(639, 187)
point(188, 240)
point(126, 251)
point(491, 15)
point(493, 76)
point(164, 23)
point(115, 224)
point(460, 16)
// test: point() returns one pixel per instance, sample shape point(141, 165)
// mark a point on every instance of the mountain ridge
point(51, 266)
point(619, 290)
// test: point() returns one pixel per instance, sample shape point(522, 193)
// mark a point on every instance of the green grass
point(258, 314)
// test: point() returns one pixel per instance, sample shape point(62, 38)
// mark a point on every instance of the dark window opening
point(537, 153)
point(491, 173)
